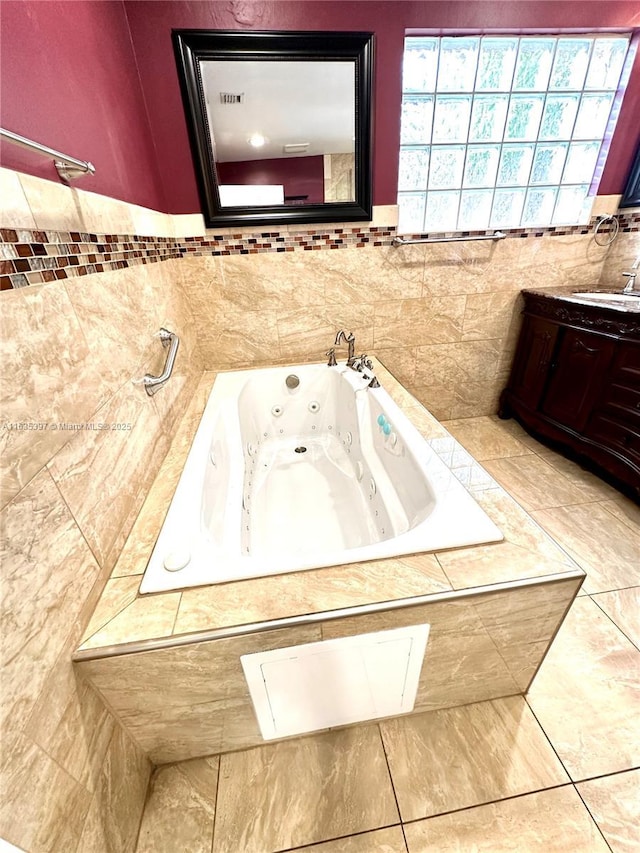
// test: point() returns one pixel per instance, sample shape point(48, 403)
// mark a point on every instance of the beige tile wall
point(622, 253)
point(444, 318)
point(71, 778)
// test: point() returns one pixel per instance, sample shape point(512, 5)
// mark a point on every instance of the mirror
point(631, 197)
point(279, 124)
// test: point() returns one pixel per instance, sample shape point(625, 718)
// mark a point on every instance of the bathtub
point(301, 467)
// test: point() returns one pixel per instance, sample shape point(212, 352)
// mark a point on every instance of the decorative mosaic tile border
point(284, 241)
point(35, 257)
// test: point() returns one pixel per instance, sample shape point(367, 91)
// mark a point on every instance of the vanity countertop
point(609, 298)
point(126, 621)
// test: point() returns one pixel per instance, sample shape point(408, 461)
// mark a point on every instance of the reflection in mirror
point(303, 155)
point(279, 124)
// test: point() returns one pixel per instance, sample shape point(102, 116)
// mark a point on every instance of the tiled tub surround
point(444, 317)
point(514, 774)
point(70, 350)
point(168, 665)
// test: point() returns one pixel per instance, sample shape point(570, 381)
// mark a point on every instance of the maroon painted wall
point(298, 175)
point(151, 24)
point(68, 79)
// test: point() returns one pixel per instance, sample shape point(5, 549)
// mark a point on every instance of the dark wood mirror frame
point(631, 197)
point(194, 46)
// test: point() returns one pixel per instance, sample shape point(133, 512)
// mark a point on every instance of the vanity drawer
point(621, 403)
point(625, 368)
point(615, 435)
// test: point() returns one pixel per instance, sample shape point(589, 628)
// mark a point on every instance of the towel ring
point(616, 228)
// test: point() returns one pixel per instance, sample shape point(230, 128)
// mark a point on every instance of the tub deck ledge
point(124, 621)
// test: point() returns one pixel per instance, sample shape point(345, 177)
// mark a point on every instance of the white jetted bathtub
point(325, 472)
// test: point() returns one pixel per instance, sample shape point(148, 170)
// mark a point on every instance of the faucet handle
point(332, 358)
point(362, 362)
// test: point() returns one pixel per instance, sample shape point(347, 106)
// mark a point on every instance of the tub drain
point(301, 449)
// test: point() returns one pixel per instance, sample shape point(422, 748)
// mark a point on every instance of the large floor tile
point(614, 802)
point(586, 481)
point(553, 821)
point(486, 438)
point(586, 694)
point(303, 791)
point(512, 426)
point(623, 608)
point(180, 808)
point(459, 757)
point(390, 840)
point(603, 545)
point(626, 510)
point(536, 484)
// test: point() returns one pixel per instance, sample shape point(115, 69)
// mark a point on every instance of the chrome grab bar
point(152, 383)
point(400, 241)
point(68, 167)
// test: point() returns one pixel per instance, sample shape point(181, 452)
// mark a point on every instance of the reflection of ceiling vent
point(231, 98)
point(295, 147)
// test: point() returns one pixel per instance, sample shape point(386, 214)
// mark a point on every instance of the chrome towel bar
point(68, 167)
point(153, 383)
point(400, 241)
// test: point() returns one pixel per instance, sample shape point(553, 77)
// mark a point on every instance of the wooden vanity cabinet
point(576, 380)
point(531, 365)
point(575, 376)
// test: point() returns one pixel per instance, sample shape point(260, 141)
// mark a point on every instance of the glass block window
point(504, 131)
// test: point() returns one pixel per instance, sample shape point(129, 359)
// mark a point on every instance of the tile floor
point(557, 771)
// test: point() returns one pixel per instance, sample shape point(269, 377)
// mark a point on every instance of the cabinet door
point(532, 360)
point(577, 373)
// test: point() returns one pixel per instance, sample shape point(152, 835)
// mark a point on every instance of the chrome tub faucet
point(350, 340)
point(361, 364)
point(631, 274)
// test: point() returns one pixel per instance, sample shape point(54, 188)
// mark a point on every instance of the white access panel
point(332, 683)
